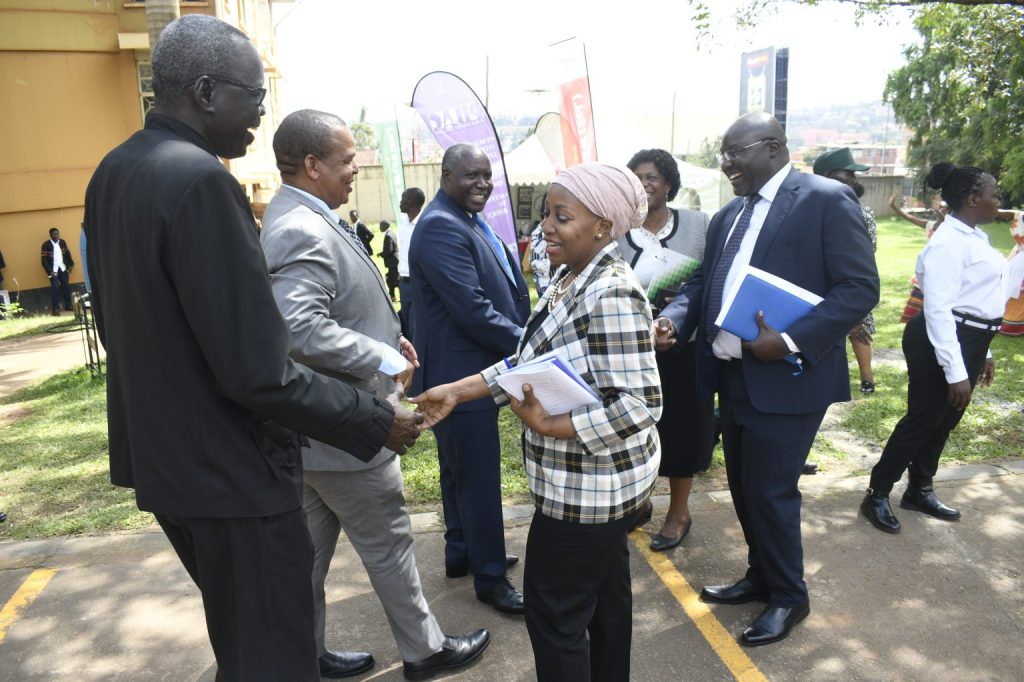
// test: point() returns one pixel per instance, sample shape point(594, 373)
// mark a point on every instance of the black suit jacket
point(469, 313)
point(47, 256)
point(197, 350)
point(813, 236)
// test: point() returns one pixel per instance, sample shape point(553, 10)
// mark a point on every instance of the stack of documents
point(556, 385)
point(782, 302)
point(675, 268)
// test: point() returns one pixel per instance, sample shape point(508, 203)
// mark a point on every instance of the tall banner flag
point(390, 149)
point(578, 137)
point(764, 82)
point(456, 115)
point(549, 131)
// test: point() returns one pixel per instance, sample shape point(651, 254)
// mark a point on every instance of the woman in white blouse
point(965, 285)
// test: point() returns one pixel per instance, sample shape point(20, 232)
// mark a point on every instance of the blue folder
point(757, 292)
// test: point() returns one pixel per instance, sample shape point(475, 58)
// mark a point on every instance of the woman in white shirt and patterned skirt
point(965, 285)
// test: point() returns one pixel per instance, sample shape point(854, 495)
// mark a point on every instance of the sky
point(341, 56)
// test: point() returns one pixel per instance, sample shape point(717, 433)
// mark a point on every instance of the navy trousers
point(469, 454)
point(764, 456)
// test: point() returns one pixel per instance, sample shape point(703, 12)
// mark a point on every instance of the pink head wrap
point(610, 192)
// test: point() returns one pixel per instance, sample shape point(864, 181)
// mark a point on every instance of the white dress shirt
point(959, 270)
point(392, 362)
point(726, 346)
point(405, 228)
point(58, 257)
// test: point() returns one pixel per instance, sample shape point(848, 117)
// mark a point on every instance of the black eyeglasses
point(733, 154)
point(257, 93)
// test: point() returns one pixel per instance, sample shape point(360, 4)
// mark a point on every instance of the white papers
point(774, 280)
point(556, 385)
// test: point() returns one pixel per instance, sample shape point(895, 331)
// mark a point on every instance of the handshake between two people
point(769, 345)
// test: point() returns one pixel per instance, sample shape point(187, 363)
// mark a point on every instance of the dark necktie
point(348, 228)
point(722, 268)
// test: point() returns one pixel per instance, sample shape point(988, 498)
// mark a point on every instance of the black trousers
point(254, 575)
point(59, 287)
point(579, 602)
point(920, 436)
point(764, 457)
point(469, 454)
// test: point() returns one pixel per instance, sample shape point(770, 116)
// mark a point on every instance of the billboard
point(764, 82)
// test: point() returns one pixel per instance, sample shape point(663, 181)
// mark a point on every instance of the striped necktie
point(732, 246)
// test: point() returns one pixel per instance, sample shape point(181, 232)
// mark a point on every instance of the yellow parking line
point(34, 584)
point(724, 645)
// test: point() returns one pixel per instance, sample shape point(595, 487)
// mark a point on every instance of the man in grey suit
point(343, 325)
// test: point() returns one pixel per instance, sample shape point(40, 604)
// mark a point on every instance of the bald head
point(753, 150)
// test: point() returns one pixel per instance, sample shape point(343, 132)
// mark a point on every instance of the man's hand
point(664, 334)
point(409, 351)
point(769, 345)
point(987, 374)
point(960, 394)
point(404, 378)
point(404, 431)
point(435, 404)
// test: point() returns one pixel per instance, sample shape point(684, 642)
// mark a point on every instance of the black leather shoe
point(455, 653)
point(877, 510)
point(503, 597)
point(810, 469)
point(336, 664)
point(660, 543)
point(3, 517)
point(643, 515)
point(923, 499)
point(740, 592)
point(774, 624)
point(462, 571)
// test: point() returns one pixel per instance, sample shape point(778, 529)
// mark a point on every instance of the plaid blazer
point(603, 327)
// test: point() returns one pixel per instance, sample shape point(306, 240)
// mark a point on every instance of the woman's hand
point(436, 404)
point(987, 374)
point(537, 418)
point(860, 335)
point(960, 394)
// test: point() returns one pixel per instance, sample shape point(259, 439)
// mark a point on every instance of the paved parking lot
point(941, 601)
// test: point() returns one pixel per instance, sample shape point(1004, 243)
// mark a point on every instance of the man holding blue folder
point(774, 389)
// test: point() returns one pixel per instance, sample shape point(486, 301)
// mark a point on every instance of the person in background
point(687, 424)
point(540, 266)
point(839, 165)
point(965, 283)
point(389, 253)
point(590, 470)
point(410, 205)
point(57, 263)
point(362, 231)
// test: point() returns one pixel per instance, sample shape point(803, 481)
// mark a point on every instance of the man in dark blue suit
point(774, 390)
point(471, 305)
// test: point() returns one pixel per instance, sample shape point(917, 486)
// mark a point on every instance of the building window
point(146, 97)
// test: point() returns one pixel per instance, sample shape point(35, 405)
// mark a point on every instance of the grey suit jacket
point(335, 303)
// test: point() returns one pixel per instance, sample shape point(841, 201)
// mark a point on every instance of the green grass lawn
point(31, 325)
point(53, 458)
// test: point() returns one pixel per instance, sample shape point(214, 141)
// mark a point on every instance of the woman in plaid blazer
point(590, 470)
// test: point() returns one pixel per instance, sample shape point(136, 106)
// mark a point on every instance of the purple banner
point(456, 115)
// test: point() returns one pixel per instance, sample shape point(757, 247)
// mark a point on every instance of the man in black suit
point(362, 231)
point(774, 390)
point(198, 370)
point(57, 263)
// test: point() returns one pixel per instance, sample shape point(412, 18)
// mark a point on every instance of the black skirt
point(687, 425)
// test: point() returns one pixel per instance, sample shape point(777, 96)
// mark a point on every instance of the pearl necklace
point(560, 288)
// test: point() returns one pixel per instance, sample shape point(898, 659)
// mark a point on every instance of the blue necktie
point(496, 245)
point(722, 268)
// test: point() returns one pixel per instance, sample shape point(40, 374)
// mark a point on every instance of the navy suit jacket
point(469, 313)
point(814, 237)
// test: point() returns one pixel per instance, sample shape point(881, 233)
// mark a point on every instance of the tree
point(706, 156)
point(365, 136)
point(962, 91)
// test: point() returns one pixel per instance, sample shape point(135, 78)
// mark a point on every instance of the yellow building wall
point(70, 94)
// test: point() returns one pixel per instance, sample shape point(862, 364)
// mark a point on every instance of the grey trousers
point(369, 505)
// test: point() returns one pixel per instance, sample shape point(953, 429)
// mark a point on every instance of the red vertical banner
point(578, 137)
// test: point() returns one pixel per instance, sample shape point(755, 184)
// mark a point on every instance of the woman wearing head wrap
point(590, 470)
point(663, 253)
point(966, 283)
